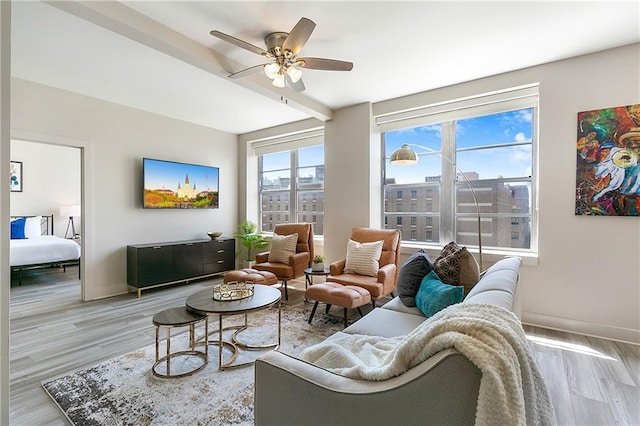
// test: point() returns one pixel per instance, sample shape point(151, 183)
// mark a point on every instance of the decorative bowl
point(214, 235)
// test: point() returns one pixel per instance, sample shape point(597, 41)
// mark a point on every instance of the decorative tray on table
point(232, 291)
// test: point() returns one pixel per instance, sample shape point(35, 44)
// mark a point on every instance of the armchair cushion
point(282, 246)
point(363, 258)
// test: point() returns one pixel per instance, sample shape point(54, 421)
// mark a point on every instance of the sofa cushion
point(410, 276)
point(456, 266)
point(396, 305)
point(498, 284)
point(434, 295)
point(363, 258)
point(282, 246)
point(385, 323)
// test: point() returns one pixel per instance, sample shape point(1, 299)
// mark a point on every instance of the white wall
point(350, 199)
point(586, 277)
point(51, 179)
point(114, 139)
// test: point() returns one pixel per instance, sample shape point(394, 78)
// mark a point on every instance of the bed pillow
point(17, 229)
point(410, 276)
point(363, 258)
point(32, 228)
point(456, 266)
point(434, 295)
point(282, 246)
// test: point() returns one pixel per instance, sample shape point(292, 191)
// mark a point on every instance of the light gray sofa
point(441, 390)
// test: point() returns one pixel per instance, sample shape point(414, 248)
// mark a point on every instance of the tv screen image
point(173, 185)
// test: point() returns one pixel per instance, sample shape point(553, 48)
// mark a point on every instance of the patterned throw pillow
point(363, 258)
point(434, 295)
point(282, 246)
point(410, 276)
point(456, 266)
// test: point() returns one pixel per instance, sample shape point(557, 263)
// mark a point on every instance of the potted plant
point(317, 263)
point(250, 238)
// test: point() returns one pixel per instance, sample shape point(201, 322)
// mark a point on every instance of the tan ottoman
point(345, 296)
point(249, 275)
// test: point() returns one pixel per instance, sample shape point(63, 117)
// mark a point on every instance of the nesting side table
point(179, 317)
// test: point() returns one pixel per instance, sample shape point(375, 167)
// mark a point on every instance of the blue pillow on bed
point(17, 229)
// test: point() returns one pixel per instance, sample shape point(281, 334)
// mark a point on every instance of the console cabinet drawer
point(219, 256)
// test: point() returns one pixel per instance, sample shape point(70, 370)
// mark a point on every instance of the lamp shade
point(271, 70)
point(294, 73)
point(70, 211)
point(404, 155)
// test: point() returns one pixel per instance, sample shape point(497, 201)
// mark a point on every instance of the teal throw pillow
point(17, 228)
point(434, 295)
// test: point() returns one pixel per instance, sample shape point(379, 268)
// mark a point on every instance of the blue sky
point(502, 128)
point(159, 174)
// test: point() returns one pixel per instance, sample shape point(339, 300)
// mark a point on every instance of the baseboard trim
point(603, 331)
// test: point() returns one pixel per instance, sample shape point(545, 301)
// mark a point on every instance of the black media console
point(155, 265)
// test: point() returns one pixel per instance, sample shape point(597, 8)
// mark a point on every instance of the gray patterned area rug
point(123, 390)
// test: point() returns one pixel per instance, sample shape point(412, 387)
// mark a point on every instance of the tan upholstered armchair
point(385, 282)
point(298, 262)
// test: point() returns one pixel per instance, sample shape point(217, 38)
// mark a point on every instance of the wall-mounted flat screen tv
point(173, 185)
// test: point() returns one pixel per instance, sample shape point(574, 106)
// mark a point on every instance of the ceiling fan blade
point(247, 71)
point(299, 35)
point(240, 43)
point(298, 86)
point(324, 64)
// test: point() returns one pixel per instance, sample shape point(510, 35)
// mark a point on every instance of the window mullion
point(447, 184)
point(293, 188)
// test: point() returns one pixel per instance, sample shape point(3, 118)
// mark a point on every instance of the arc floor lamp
point(405, 156)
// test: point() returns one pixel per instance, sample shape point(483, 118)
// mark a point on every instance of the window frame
point(510, 100)
point(293, 211)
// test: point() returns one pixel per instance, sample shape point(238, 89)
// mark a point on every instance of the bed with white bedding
point(39, 248)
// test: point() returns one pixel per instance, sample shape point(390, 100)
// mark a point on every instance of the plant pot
point(318, 266)
point(248, 263)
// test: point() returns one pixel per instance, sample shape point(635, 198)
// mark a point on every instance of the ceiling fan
point(282, 50)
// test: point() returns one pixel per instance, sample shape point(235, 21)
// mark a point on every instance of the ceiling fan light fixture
point(294, 73)
point(278, 81)
point(271, 70)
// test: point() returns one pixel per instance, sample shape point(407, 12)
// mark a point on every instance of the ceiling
point(158, 56)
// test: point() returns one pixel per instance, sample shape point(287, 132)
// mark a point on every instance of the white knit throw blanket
point(512, 390)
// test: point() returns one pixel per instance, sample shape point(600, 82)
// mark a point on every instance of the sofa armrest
point(443, 389)
point(337, 267)
point(262, 257)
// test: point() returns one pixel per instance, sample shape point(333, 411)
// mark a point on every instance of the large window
point(296, 175)
point(494, 151)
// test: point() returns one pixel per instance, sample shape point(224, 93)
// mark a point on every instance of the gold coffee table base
point(236, 345)
point(202, 303)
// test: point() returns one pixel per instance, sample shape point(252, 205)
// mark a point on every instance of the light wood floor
point(592, 381)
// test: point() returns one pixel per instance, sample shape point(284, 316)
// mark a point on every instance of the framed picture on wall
point(16, 176)
point(608, 162)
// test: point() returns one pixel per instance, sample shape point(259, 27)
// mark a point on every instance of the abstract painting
point(15, 174)
point(608, 162)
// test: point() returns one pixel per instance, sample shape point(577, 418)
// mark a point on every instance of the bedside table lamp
point(70, 212)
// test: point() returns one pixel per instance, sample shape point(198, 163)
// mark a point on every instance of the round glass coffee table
point(203, 303)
